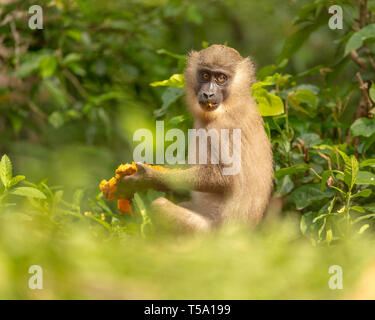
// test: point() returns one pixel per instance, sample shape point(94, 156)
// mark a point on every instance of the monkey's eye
point(221, 78)
point(205, 76)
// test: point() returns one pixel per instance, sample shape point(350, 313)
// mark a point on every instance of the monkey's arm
point(204, 178)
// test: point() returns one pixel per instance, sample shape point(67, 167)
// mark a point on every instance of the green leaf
point(47, 66)
point(350, 172)
point(176, 80)
point(268, 81)
point(363, 228)
point(325, 176)
point(307, 194)
point(370, 207)
point(308, 12)
point(365, 177)
point(268, 104)
point(140, 206)
point(296, 40)
point(303, 225)
point(331, 205)
point(176, 121)
point(105, 224)
point(303, 100)
point(28, 192)
point(56, 199)
point(5, 170)
point(322, 227)
point(329, 236)
point(357, 39)
point(266, 71)
point(274, 108)
point(324, 147)
point(291, 170)
point(368, 143)
point(120, 25)
point(30, 63)
point(55, 89)
point(284, 186)
point(71, 57)
point(56, 119)
point(169, 96)
point(15, 180)
point(364, 193)
point(372, 92)
point(358, 209)
point(309, 72)
point(364, 217)
point(194, 15)
point(316, 219)
point(367, 163)
point(310, 139)
point(339, 190)
point(78, 196)
point(363, 127)
point(74, 34)
point(140, 201)
point(344, 156)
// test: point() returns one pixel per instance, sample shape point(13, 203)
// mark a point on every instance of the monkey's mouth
point(209, 106)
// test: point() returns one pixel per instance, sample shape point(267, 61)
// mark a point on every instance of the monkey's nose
point(208, 95)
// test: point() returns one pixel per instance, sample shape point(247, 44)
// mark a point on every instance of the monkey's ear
point(251, 68)
point(251, 65)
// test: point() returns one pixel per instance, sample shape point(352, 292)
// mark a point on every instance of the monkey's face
point(211, 88)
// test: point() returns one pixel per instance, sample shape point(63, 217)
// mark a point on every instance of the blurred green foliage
point(73, 93)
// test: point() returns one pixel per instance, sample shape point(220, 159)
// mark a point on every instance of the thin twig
point(76, 83)
point(369, 56)
point(358, 60)
point(363, 13)
point(364, 89)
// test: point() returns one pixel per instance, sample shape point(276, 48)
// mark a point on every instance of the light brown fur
point(218, 199)
point(251, 189)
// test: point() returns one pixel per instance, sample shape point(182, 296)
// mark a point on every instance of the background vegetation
point(72, 94)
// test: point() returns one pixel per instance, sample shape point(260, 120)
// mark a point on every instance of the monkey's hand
point(140, 181)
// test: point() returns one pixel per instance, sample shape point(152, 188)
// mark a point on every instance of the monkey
point(217, 86)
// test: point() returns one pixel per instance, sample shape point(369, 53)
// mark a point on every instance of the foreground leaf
point(15, 180)
point(5, 170)
point(28, 192)
point(291, 170)
point(176, 80)
point(307, 194)
point(363, 127)
point(364, 193)
point(350, 172)
point(357, 39)
point(365, 177)
point(367, 163)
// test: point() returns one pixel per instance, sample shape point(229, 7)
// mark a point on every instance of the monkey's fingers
point(126, 170)
point(109, 188)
